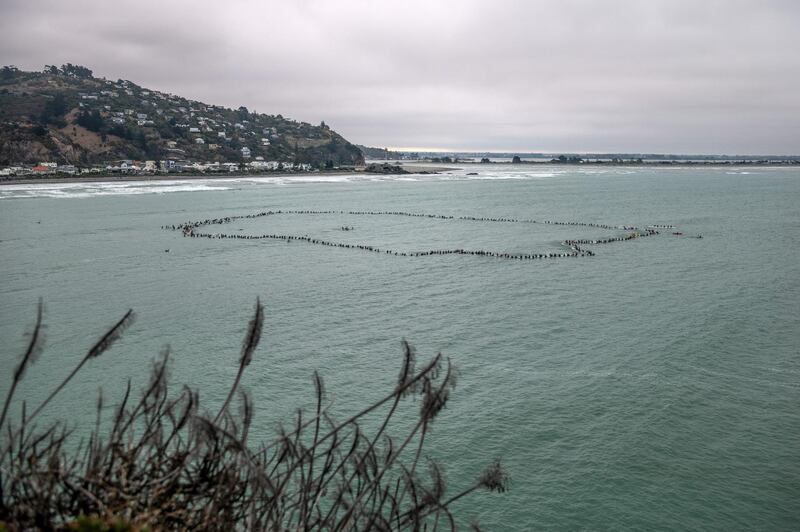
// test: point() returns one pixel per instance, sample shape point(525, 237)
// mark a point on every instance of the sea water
point(655, 385)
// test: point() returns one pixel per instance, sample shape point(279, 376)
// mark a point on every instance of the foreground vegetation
point(164, 463)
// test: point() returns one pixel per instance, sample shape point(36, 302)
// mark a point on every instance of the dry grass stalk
point(165, 464)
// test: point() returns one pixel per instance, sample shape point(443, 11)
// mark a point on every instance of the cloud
point(559, 75)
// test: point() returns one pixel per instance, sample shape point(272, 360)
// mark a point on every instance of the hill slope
point(66, 115)
point(380, 154)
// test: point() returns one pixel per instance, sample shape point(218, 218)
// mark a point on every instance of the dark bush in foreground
point(164, 464)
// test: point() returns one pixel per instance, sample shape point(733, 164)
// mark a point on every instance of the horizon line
point(410, 149)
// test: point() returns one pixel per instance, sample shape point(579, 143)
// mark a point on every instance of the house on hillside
point(173, 165)
point(198, 140)
point(246, 152)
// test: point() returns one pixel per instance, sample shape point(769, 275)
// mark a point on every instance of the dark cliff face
point(79, 119)
point(335, 152)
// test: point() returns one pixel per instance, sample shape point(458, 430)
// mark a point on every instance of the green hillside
point(66, 115)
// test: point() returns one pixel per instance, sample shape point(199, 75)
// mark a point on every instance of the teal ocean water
point(654, 386)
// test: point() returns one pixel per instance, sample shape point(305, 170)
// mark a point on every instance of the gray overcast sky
point(688, 76)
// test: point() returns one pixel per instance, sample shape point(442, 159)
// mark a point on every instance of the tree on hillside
point(8, 72)
point(54, 110)
point(91, 120)
point(76, 71)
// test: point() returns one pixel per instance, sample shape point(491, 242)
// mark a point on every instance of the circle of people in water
point(572, 247)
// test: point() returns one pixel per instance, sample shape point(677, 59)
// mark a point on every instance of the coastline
point(27, 180)
point(419, 168)
point(124, 178)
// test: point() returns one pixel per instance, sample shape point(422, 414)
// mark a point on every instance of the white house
point(245, 152)
point(199, 141)
point(194, 130)
point(67, 169)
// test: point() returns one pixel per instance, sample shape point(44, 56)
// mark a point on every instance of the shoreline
point(27, 180)
point(420, 168)
point(124, 178)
